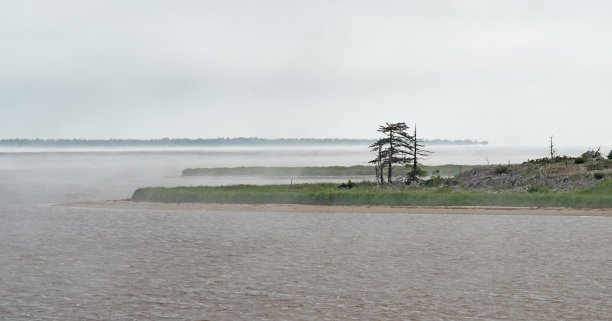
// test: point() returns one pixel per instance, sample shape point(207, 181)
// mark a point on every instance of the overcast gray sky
point(510, 72)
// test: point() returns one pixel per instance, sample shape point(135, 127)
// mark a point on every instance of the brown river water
point(62, 263)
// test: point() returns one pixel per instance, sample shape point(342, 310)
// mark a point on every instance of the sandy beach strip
point(218, 207)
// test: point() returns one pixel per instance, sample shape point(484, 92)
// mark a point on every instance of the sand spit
point(484, 210)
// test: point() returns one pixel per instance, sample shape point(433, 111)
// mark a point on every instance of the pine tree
point(394, 148)
point(379, 162)
point(417, 153)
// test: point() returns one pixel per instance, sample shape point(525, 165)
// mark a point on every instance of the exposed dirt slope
point(561, 176)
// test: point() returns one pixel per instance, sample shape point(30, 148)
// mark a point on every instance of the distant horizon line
point(165, 141)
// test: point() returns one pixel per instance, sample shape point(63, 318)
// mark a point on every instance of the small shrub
point(420, 172)
point(349, 184)
point(599, 175)
point(579, 160)
point(539, 189)
point(592, 154)
point(562, 159)
point(501, 169)
point(610, 155)
point(438, 181)
point(435, 181)
point(546, 160)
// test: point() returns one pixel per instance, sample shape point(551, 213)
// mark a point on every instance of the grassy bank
point(597, 196)
point(358, 170)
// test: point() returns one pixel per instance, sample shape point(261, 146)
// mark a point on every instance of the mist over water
point(107, 264)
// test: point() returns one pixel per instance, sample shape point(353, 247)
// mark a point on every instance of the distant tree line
point(211, 142)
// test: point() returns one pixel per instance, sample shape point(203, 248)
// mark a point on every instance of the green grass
point(358, 170)
point(365, 193)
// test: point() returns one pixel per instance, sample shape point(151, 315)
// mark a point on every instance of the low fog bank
point(291, 155)
point(56, 176)
point(32, 178)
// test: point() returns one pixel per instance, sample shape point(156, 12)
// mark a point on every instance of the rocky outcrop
point(522, 177)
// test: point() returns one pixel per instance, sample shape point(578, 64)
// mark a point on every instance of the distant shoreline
point(372, 209)
point(214, 142)
point(363, 171)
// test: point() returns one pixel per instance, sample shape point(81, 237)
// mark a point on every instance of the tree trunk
point(389, 174)
point(376, 168)
point(414, 166)
point(380, 176)
point(552, 151)
point(414, 158)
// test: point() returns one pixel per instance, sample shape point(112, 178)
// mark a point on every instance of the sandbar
point(222, 207)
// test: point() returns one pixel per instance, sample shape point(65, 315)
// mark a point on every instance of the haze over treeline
point(211, 142)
